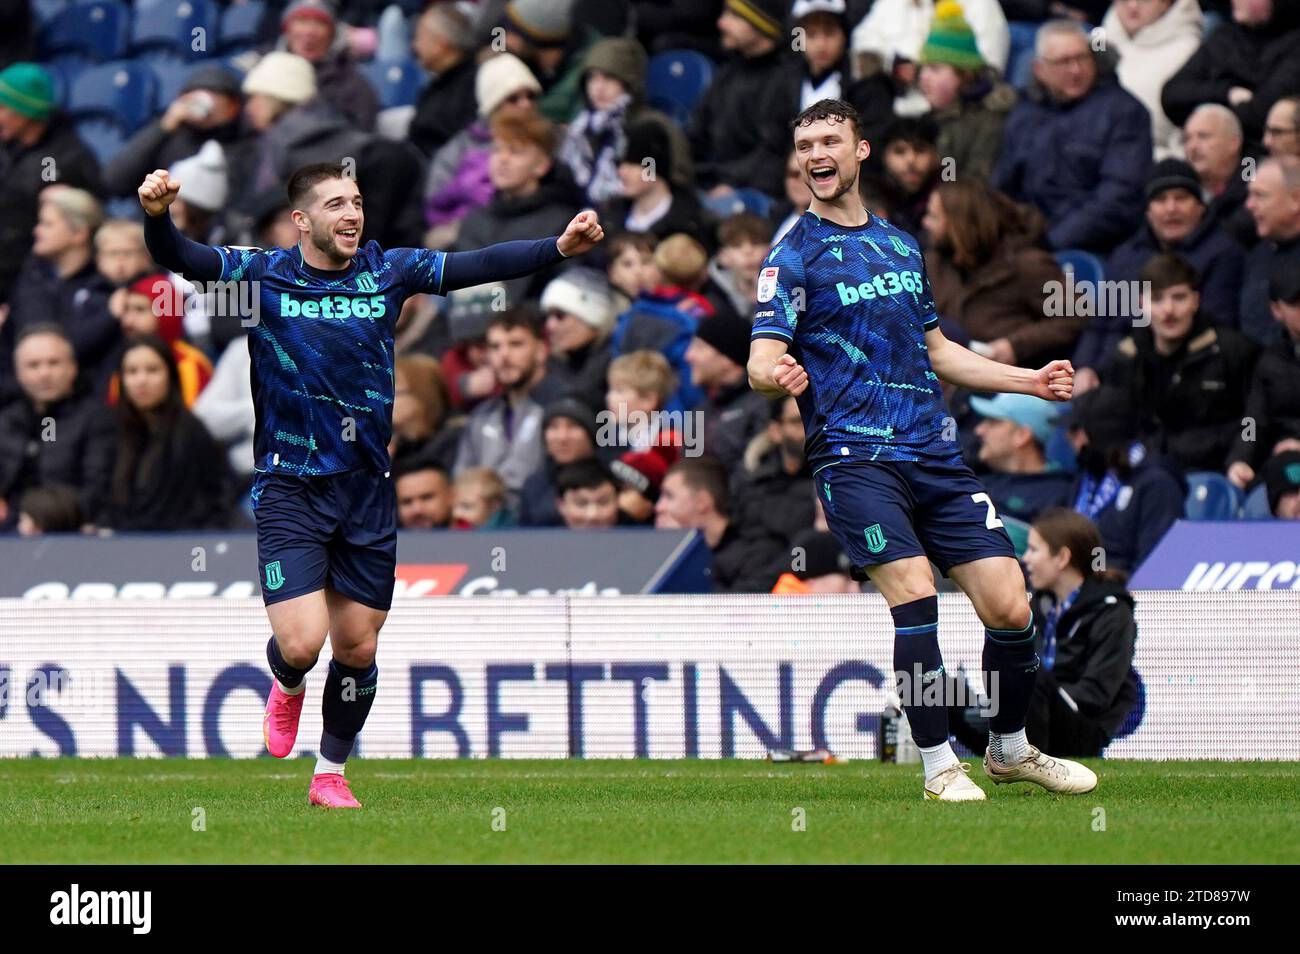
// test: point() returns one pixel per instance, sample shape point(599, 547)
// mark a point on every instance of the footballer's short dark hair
point(307, 177)
point(831, 110)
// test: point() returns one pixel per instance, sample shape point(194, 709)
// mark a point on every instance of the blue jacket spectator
point(1078, 147)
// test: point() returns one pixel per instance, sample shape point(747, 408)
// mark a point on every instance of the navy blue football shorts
point(335, 530)
point(881, 511)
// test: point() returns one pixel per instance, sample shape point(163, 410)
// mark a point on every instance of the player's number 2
point(991, 519)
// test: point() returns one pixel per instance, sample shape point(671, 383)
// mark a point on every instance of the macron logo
point(103, 907)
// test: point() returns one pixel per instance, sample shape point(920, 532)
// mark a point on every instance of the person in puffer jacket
point(1078, 147)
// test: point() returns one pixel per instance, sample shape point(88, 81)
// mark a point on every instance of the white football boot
point(1055, 775)
point(952, 785)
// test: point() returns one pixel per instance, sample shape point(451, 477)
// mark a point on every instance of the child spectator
point(50, 509)
point(586, 496)
point(640, 384)
point(480, 501)
point(734, 270)
point(631, 267)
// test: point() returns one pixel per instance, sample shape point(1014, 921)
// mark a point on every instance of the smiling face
point(829, 154)
point(333, 220)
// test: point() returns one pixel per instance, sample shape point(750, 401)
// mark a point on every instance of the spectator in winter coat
point(1153, 39)
point(458, 180)
point(310, 31)
point(569, 435)
point(34, 138)
point(444, 44)
point(1078, 147)
point(1178, 222)
point(579, 314)
point(1274, 204)
point(59, 282)
point(1246, 64)
point(990, 279)
point(54, 402)
point(1188, 377)
point(1282, 127)
point(1212, 139)
point(732, 413)
point(773, 494)
point(968, 102)
point(1013, 433)
point(739, 135)
point(910, 151)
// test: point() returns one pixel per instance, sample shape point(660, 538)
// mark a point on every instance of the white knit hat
point(501, 77)
point(283, 76)
point(583, 293)
point(203, 178)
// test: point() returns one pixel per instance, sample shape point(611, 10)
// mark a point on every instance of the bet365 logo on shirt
point(881, 286)
point(338, 307)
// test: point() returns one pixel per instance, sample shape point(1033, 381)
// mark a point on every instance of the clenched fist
point(582, 234)
point(790, 376)
point(158, 191)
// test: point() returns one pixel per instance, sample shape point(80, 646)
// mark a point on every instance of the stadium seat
point(397, 82)
point(1020, 60)
point(1086, 267)
point(96, 30)
point(1060, 452)
point(169, 73)
point(124, 91)
point(103, 137)
point(1255, 506)
point(47, 10)
point(1210, 496)
point(240, 25)
point(186, 29)
point(752, 200)
point(675, 79)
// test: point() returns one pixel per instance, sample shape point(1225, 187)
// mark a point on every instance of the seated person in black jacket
point(1086, 684)
point(1188, 377)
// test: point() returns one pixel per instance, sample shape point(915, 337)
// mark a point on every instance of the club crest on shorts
point(275, 577)
point(875, 538)
point(767, 283)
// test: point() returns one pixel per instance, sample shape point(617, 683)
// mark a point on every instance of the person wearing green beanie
point(968, 101)
point(38, 147)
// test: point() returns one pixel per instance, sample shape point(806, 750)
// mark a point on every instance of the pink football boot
point(280, 724)
point(330, 790)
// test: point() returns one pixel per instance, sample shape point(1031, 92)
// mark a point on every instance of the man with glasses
point(1282, 127)
point(1078, 147)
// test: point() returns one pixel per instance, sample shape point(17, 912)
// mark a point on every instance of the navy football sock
point(919, 664)
point(349, 694)
point(290, 677)
point(1010, 668)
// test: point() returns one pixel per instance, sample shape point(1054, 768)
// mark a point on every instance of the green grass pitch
point(256, 811)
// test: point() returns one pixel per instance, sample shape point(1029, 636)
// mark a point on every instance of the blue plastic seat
point(1255, 506)
point(103, 137)
point(396, 82)
point(752, 200)
point(169, 74)
point(96, 30)
point(124, 91)
point(1211, 496)
point(182, 28)
point(675, 79)
point(240, 25)
point(1085, 266)
point(47, 10)
point(1020, 58)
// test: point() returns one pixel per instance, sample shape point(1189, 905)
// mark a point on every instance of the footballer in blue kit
point(845, 322)
point(321, 346)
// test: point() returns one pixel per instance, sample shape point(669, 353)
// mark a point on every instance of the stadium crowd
point(1033, 146)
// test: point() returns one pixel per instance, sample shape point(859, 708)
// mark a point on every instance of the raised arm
point(507, 260)
point(168, 247)
point(965, 368)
